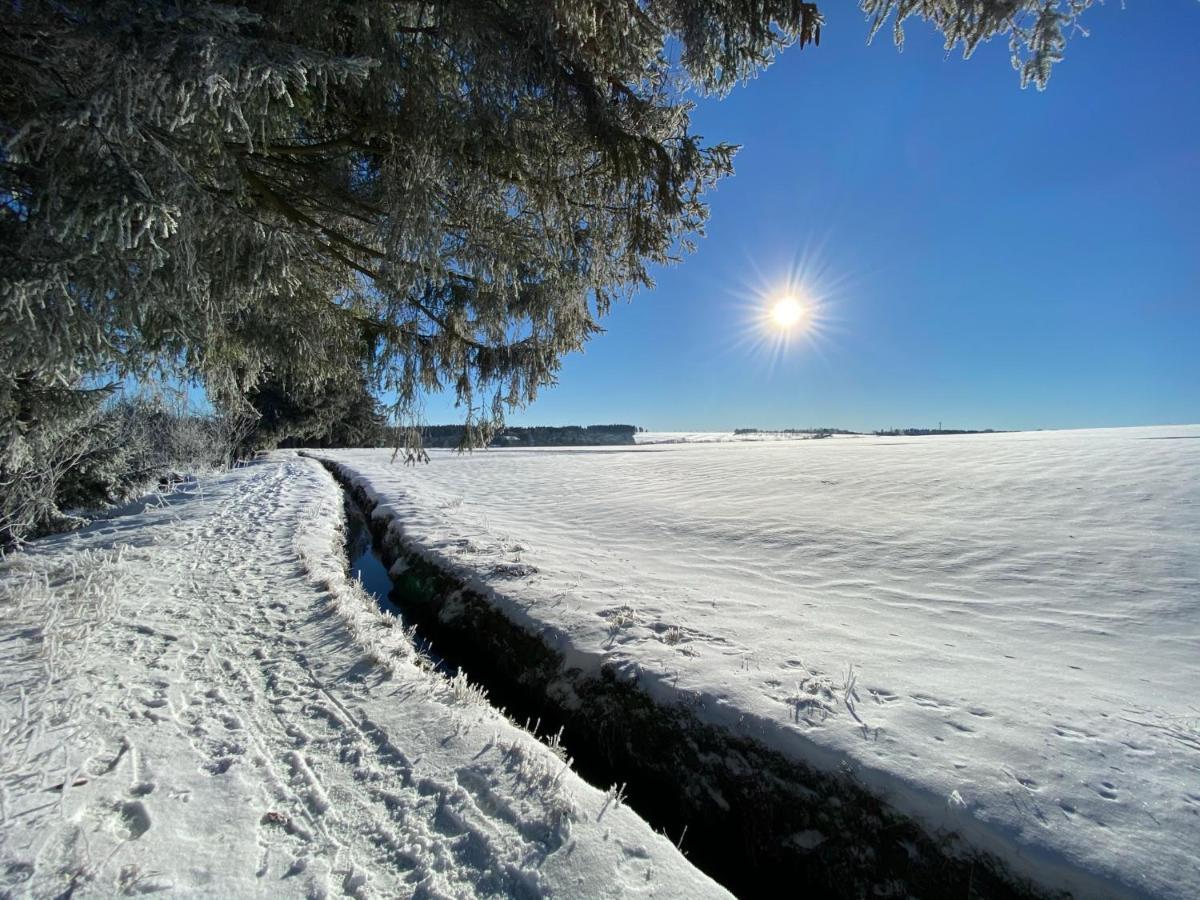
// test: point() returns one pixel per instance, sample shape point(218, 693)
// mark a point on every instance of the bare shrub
point(69, 451)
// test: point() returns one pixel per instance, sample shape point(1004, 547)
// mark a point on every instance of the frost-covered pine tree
point(463, 187)
point(1037, 29)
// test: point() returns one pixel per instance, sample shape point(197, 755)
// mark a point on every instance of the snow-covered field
point(195, 699)
point(1000, 633)
point(715, 437)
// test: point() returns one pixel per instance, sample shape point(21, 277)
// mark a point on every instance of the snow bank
point(997, 633)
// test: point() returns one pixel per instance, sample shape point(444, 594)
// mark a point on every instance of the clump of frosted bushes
point(57, 464)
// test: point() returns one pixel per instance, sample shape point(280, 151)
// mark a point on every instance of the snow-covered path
point(195, 699)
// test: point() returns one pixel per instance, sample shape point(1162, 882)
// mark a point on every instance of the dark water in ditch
point(365, 565)
point(369, 570)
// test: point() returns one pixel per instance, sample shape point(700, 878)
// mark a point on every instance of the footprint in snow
point(132, 819)
point(929, 702)
point(1138, 748)
point(1072, 734)
point(218, 766)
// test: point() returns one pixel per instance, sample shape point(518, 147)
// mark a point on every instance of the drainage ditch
point(750, 818)
point(367, 567)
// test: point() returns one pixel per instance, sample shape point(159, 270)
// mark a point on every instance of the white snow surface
point(195, 699)
point(721, 437)
point(999, 633)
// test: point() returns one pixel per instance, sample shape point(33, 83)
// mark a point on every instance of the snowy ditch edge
point(744, 813)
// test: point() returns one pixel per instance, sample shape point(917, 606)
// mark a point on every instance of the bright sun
point(786, 313)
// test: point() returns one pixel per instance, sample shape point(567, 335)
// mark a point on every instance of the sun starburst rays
point(779, 316)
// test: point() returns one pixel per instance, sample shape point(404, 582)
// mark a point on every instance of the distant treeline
point(919, 432)
point(536, 436)
point(820, 431)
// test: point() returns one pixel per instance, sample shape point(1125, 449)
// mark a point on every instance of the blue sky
point(983, 256)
